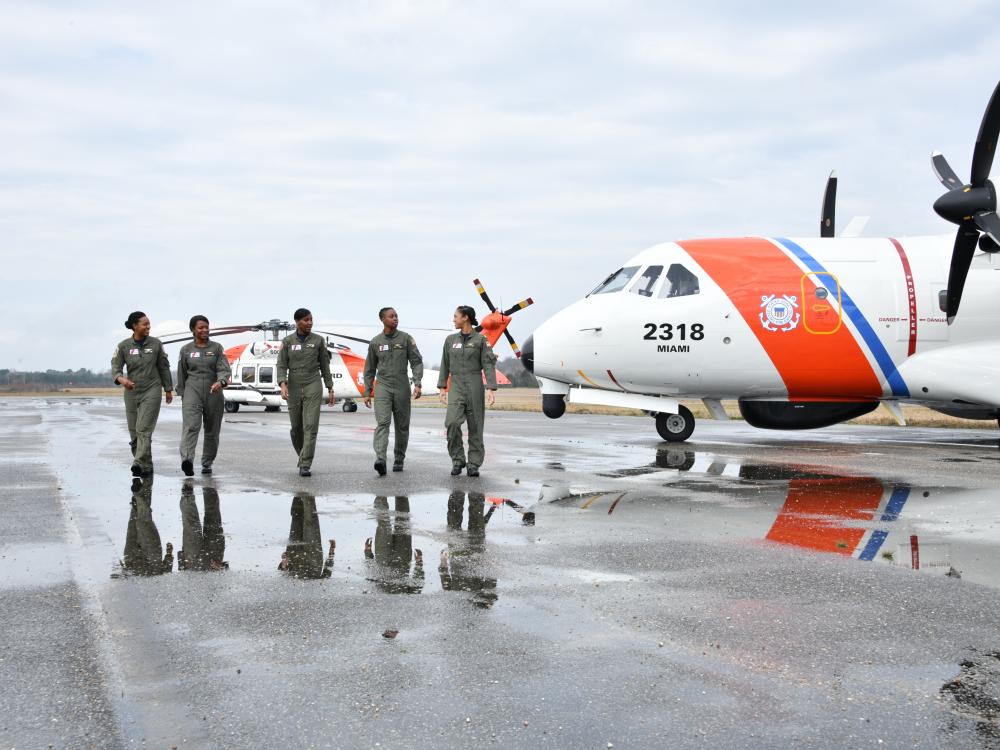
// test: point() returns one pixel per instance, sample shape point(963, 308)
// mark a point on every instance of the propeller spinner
point(496, 322)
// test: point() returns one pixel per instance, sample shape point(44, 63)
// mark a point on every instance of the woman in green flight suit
point(141, 367)
point(466, 357)
point(302, 361)
point(202, 372)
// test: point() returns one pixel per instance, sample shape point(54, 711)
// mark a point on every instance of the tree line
point(11, 379)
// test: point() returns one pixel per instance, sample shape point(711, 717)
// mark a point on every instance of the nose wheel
point(350, 406)
point(675, 428)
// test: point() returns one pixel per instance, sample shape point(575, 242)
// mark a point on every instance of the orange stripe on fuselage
point(813, 367)
point(821, 514)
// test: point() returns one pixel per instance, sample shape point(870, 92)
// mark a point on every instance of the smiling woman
point(141, 367)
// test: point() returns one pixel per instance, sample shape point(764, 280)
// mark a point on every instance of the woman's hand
point(216, 387)
point(417, 392)
point(443, 396)
point(491, 397)
point(170, 397)
point(284, 391)
point(331, 399)
point(126, 383)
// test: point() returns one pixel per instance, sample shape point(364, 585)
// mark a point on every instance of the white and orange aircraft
point(254, 365)
point(803, 333)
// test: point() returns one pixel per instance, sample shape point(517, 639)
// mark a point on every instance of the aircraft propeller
point(973, 206)
point(499, 319)
point(827, 223)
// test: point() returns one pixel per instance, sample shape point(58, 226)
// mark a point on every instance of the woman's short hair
point(195, 320)
point(301, 313)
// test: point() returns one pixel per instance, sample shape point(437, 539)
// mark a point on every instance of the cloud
point(243, 159)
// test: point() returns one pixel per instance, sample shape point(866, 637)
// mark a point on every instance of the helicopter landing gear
point(231, 407)
point(272, 408)
point(350, 406)
point(675, 428)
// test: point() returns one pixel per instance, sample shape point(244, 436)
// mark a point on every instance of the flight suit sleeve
point(416, 361)
point(324, 365)
point(223, 370)
point(163, 364)
point(283, 364)
point(445, 368)
point(117, 364)
point(370, 365)
point(488, 361)
point(181, 371)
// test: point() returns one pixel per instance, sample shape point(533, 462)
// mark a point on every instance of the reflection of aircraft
point(303, 557)
point(463, 564)
point(934, 529)
point(802, 333)
point(144, 555)
point(203, 545)
point(388, 561)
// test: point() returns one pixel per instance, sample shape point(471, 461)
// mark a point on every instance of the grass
point(529, 399)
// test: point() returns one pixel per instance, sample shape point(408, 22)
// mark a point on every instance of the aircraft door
point(821, 303)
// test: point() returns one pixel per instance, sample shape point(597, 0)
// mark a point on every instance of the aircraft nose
point(528, 354)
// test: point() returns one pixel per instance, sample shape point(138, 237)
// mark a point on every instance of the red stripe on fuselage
point(813, 366)
point(911, 295)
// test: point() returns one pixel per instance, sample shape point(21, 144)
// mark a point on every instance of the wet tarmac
point(594, 588)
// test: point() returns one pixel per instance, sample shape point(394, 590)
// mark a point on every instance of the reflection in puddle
point(204, 543)
point(144, 553)
point(952, 532)
point(303, 557)
point(388, 559)
point(463, 564)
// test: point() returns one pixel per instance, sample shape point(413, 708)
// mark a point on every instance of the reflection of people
point(462, 564)
point(466, 358)
point(144, 554)
point(389, 355)
point(303, 557)
point(203, 544)
point(202, 372)
point(303, 369)
point(145, 361)
point(389, 562)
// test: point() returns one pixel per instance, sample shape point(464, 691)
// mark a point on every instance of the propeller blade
point(513, 344)
point(989, 223)
point(827, 219)
point(944, 172)
point(344, 336)
point(961, 258)
point(483, 294)
point(519, 306)
point(189, 337)
point(986, 142)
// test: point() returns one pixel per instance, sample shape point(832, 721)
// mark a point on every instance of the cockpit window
point(679, 282)
point(616, 281)
point(643, 286)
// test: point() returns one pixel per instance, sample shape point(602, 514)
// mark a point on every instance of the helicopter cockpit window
point(616, 281)
point(679, 282)
point(266, 375)
point(248, 374)
point(643, 286)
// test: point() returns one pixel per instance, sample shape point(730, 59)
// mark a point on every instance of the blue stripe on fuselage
point(863, 327)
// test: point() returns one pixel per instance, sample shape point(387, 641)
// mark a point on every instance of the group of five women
point(467, 382)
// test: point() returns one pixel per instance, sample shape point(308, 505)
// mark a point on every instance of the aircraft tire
point(272, 408)
point(232, 407)
point(350, 406)
point(675, 428)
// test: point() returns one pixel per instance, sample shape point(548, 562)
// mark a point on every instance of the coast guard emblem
point(779, 313)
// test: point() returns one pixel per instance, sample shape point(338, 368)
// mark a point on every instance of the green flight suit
point(146, 364)
point(387, 360)
point(301, 363)
point(465, 359)
point(198, 367)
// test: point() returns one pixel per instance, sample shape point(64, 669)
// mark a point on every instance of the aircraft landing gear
point(350, 406)
point(231, 407)
point(272, 408)
point(675, 428)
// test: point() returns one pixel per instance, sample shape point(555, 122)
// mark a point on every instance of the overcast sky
point(241, 159)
